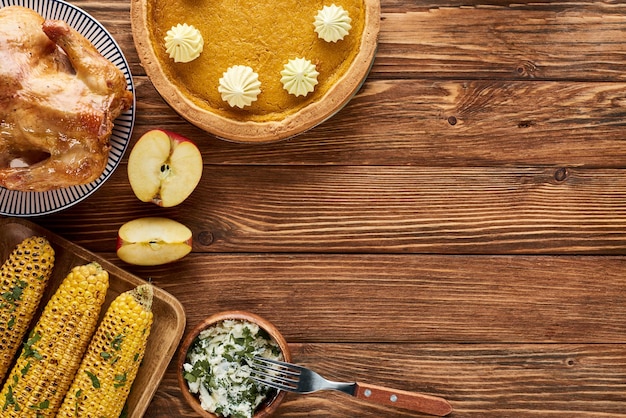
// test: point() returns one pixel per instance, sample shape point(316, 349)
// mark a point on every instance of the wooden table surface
point(458, 229)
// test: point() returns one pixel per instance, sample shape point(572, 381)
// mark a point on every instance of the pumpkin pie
point(254, 70)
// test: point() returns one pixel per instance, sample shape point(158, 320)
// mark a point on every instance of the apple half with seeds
point(153, 241)
point(164, 168)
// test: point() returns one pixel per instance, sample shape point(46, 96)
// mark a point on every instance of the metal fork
point(294, 378)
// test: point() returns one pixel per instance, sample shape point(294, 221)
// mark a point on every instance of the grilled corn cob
point(110, 365)
point(52, 353)
point(23, 279)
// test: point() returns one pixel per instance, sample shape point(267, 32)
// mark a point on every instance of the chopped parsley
point(120, 380)
point(29, 350)
point(41, 406)
point(116, 343)
point(14, 295)
point(25, 369)
point(9, 400)
point(95, 382)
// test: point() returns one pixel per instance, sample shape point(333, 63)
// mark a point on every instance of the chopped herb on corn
point(53, 351)
point(23, 279)
point(110, 365)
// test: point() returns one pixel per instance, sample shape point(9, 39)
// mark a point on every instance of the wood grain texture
point(379, 210)
point(437, 123)
point(543, 41)
point(458, 229)
point(471, 40)
point(408, 298)
point(486, 380)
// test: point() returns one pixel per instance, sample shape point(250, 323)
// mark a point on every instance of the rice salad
point(217, 367)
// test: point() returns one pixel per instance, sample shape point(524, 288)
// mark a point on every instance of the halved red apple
point(164, 168)
point(152, 241)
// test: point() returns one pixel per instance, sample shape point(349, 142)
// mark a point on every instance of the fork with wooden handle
point(294, 378)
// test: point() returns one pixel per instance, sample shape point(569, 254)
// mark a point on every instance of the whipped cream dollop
point(332, 23)
point(184, 43)
point(299, 77)
point(239, 86)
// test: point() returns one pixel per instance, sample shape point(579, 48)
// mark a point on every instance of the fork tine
point(277, 377)
point(273, 384)
point(279, 366)
point(274, 374)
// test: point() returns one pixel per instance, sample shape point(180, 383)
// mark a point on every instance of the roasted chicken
point(58, 99)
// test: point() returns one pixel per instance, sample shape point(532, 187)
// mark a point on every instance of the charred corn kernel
point(112, 360)
point(44, 370)
point(23, 279)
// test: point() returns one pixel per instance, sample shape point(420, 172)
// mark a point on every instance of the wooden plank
point(378, 209)
point(487, 380)
point(542, 5)
point(469, 40)
point(447, 123)
point(582, 41)
point(406, 298)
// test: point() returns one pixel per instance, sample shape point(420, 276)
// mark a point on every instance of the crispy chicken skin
point(58, 99)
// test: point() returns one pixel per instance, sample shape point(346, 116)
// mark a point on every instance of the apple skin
point(164, 168)
point(152, 241)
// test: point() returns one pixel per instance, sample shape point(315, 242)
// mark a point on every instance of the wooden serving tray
point(169, 315)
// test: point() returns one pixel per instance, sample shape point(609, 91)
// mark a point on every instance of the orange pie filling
point(265, 36)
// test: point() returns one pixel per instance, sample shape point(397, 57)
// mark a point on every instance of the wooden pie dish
point(264, 36)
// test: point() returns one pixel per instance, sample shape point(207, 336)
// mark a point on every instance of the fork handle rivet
point(393, 398)
point(367, 393)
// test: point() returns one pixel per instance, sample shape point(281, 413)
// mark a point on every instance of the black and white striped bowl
point(15, 203)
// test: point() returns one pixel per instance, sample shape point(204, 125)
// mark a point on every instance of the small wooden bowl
point(268, 407)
